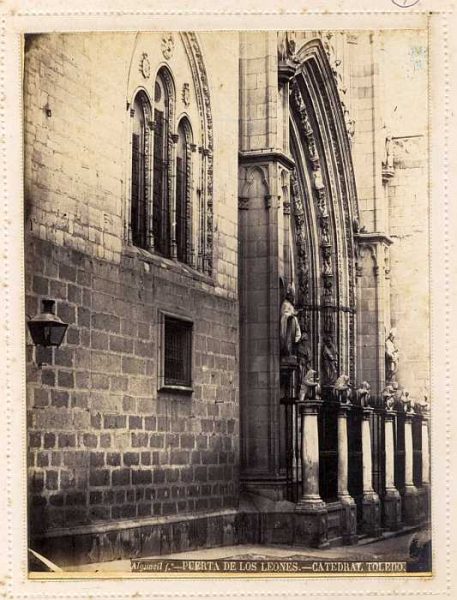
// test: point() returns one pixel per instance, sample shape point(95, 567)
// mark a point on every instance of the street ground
point(389, 548)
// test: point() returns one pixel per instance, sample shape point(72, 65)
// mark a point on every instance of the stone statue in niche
point(342, 389)
point(388, 159)
point(325, 227)
point(363, 394)
point(327, 256)
point(317, 180)
point(304, 353)
point(388, 395)
point(329, 361)
point(309, 386)
point(392, 356)
point(286, 45)
point(290, 332)
point(282, 46)
point(328, 285)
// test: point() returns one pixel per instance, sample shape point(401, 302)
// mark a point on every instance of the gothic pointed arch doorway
point(296, 236)
point(324, 214)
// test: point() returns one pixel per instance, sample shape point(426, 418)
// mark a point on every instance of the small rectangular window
point(177, 352)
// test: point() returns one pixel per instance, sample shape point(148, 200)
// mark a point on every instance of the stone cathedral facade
point(235, 229)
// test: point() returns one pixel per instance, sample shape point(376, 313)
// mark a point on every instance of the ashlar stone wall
point(104, 443)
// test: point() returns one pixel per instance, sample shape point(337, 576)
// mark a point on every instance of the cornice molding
point(252, 157)
point(374, 237)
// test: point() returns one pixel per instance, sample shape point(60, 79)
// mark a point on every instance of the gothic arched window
point(140, 183)
point(183, 193)
point(160, 209)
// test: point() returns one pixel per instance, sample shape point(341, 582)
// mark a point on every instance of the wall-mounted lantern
point(46, 328)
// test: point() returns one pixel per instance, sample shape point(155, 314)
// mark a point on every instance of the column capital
point(344, 409)
point(310, 406)
point(367, 411)
point(409, 416)
point(390, 414)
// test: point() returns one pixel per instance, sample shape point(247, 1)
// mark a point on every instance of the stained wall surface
point(104, 443)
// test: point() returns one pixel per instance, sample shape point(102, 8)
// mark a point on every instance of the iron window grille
point(177, 353)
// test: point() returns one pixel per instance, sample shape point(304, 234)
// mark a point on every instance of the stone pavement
point(390, 548)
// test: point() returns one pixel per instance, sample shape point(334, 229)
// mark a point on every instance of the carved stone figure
point(422, 406)
point(330, 361)
point(407, 402)
point(286, 46)
point(343, 389)
point(350, 123)
point(392, 356)
point(290, 332)
point(327, 256)
point(328, 285)
point(318, 181)
point(388, 159)
point(325, 227)
point(304, 353)
point(309, 387)
point(388, 395)
point(363, 394)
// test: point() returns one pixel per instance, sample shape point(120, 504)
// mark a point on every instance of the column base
point(371, 514)
point(311, 525)
point(267, 487)
point(392, 510)
point(425, 489)
point(411, 508)
point(348, 519)
point(309, 503)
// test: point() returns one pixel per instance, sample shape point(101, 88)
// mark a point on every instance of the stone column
point(310, 454)
point(392, 498)
point(426, 463)
point(371, 518)
point(349, 509)
point(425, 451)
point(410, 504)
point(310, 511)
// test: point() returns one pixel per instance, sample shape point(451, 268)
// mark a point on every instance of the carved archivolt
point(317, 107)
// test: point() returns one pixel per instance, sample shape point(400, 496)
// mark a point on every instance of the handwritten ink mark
point(405, 3)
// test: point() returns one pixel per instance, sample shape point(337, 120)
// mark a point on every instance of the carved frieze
point(300, 238)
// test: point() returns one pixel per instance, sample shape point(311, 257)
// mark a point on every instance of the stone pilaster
point(374, 320)
point(371, 522)
point(410, 497)
point(349, 509)
point(392, 498)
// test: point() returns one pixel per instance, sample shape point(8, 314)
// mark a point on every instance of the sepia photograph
point(227, 302)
